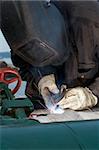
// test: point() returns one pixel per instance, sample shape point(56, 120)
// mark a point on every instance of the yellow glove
point(46, 84)
point(78, 98)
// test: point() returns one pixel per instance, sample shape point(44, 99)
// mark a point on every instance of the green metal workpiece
point(78, 135)
point(25, 134)
point(20, 113)
point(25, 102)
point(6, 92)
point(8, 101)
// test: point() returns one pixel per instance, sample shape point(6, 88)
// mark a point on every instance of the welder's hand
point(78, 98)
point(46, 84)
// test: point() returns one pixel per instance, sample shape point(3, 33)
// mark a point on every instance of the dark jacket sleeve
point(35, 32)
point(95, 85)
point(27, 71)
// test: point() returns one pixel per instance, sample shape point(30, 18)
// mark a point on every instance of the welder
point(55, 45)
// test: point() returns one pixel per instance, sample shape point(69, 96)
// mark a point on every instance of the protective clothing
point(82, 67)
point(35, 32)
point(48, 82)
point(73, 44)
point(45, 85)
point(78, 99)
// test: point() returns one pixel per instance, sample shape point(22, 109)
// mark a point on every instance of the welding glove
point(46, 84)
point(78, 98)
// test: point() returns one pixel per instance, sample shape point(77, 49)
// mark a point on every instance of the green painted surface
point(82, 135)
point(24, 134)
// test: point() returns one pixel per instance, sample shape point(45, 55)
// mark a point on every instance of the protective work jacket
point(65, 33)
point(35, 31)
point(82, 67)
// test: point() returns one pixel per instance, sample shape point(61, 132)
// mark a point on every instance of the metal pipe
point(75, 135)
